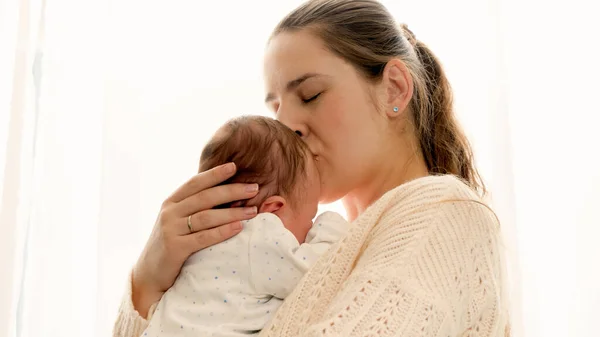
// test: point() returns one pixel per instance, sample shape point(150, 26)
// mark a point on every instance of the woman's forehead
point(291, 55)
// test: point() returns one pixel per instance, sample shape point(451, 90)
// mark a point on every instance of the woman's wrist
point(143, 296)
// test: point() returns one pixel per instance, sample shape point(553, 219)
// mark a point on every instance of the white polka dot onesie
point(233, 288)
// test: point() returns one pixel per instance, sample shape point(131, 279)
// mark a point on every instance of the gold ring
point(190, 224)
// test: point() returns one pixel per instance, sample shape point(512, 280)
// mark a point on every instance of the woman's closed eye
point(311, 98)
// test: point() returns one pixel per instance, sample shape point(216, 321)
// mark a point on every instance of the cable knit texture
point(129, 322)
point(423, 260)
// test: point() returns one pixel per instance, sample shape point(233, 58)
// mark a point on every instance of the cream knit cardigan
point(423, 260)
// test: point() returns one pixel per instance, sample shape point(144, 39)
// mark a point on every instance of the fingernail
point(236, 226)
point(250, 210)
point(252, 188)
point(230, 168)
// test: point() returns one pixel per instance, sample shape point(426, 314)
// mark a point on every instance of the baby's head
point(270, 154)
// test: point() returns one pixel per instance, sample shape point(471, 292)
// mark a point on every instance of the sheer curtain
point(106, 105)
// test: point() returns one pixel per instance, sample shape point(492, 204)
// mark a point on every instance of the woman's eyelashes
point(311, 98)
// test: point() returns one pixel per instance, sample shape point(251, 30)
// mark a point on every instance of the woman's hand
point(172, 241)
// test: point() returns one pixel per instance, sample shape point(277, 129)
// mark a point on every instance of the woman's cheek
point(320, 168)
point(323, 178)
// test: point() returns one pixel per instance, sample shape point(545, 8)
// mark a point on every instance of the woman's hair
point(364, 33)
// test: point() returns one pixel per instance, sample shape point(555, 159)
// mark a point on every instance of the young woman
point(375, 108)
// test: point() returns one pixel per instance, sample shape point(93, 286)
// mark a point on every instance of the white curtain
point(105, 106)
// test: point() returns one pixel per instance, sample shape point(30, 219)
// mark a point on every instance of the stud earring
point(395, 109)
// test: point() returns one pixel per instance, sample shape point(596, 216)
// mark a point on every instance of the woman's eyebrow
point(293, 84)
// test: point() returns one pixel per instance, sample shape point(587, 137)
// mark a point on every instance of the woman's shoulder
point(437, 215)
point(422, 193)
point(446, 197)
point(414, 209)
point(435, 187)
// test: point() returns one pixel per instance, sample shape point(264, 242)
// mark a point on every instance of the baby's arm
point(329, 228)
point(278, 261)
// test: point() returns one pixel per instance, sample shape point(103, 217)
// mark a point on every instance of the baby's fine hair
point(265, 152)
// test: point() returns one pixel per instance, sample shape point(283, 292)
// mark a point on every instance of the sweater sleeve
point(129, 323)
point(373, 304)
point(442, 282)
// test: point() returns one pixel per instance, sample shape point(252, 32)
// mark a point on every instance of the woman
point(375, 108)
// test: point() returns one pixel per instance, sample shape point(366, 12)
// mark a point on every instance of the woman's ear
point(272, 204)
point(399, 87)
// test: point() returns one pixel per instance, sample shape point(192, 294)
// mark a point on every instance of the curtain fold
point(51, 186)
point(15, 159)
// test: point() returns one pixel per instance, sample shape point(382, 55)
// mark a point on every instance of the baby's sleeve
point(278, 261)
point(274, 268)
point(328, 228)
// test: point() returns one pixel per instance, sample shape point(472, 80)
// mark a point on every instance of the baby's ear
point(272, 204)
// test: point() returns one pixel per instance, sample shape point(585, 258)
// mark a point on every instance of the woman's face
point(327, 101)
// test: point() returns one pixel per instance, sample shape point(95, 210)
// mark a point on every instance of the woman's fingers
point(203, 181)
point(206, 238)
point(211, 218)
point(212, 197)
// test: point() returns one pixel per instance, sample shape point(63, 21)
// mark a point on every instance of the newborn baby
point(233, 288)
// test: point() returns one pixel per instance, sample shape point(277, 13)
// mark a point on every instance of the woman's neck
point(387, 178)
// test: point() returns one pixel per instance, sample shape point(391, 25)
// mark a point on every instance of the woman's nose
point(288, 119)
point(301, 131)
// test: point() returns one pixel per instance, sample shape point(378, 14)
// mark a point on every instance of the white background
point(132, 89)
